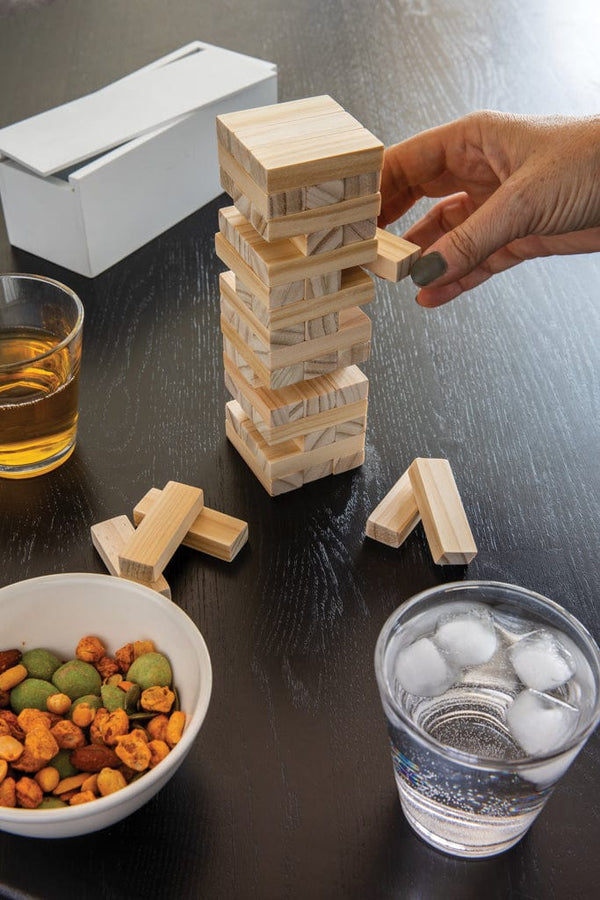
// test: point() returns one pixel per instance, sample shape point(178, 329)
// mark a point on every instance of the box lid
point(149, 98)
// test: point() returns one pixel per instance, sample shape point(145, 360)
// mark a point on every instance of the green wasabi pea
point(31, 693)
point(92, 701)
point(150, 670)
point(40, 663)
point(76, 678)
point(51, 803)
point(112, 697)
point(62, 763)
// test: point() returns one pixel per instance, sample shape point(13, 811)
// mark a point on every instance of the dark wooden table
point(289, 791)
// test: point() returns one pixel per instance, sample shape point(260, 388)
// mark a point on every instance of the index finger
point(411, 168)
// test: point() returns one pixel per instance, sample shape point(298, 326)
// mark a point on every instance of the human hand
point(514, 187)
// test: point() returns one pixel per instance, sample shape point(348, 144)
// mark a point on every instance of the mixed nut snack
point(74, 731)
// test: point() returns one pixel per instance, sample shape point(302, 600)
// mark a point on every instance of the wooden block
point(350, 356)
point(313, 473)
point(109, 538)
point(443, 515)
point(323, 285)
point(395, 256)
point(305, 221)
point(152, 545)
point(270, 206)
point(321, 326)
point(325, 194)
point(271, 338)
point(273, 296)
point(319, 241)
point(281, 262)
point(348, 462)
point(299, 143)
point(343, 390)
point(394, 518)
point(359, 231)
point(361, 185)
point(276, 461)
point(211, 532)
point(354, 291)
point(248, 337)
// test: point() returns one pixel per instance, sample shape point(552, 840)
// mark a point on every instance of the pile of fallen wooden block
point(426, 492)
point(165, 520)
point(304, 177)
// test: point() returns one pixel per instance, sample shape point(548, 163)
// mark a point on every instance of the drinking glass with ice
point(489, 692)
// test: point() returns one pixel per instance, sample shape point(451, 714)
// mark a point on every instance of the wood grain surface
point(289, 791)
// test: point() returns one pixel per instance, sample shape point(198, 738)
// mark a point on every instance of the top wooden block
point(299, 143)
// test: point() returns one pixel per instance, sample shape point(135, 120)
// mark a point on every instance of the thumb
point(458, 252)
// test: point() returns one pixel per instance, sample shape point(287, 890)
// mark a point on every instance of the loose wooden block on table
point(152, 545)
point(109, 538)
point(444, 520)
point(302, 142)
point(212, 532)
point(281, 262)
point(281, 467)
point(395, 256)
point(394, 518)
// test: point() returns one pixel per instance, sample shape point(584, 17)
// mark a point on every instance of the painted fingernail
point(428, 268)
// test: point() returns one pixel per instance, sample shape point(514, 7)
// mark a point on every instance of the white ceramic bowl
point(55, 611)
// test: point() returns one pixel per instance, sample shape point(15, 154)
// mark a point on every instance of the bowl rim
point(194, 722)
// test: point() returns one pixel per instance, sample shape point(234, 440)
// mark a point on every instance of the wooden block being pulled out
point(444, 520)
point(153, 544)
point(395, 256)
point(395, 517)
point(211, 532)
point(109, 538)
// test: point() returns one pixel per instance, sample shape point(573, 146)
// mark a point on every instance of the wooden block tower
point(304, 177)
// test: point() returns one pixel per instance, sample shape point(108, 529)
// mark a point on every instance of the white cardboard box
point(86, 183)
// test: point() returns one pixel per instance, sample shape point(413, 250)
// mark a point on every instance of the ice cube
point(541, 661)
point(540, 724)
point(421, 669)
point(468, 639)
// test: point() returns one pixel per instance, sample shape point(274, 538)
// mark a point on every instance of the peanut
point(10, 748)
point(47, 778)
point(8, 793)
point(12, 677)
point(58, 703)
point(81, 797)
point(29, 793)
point(109, 781)
point(90, 649)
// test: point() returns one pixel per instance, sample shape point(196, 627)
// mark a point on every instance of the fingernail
point(428, 268)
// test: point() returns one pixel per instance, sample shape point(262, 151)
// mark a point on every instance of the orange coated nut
point(33, 718)
point(4, 727)
point(133, 751)
point(158, 751)
point(68, 736)
point(41, 743)
point(81, 797)
point(47, 778)
point(10, 748)
point(175, 728)
point(3, 770)
point(124, 657)
point(29, 793)
point(141, 647)
point(107, 666)
point(83, 715)
point(157, 728)
point(157, 699)
point(91, 784)
point(70, 783)
point(58, 703)
point(8, 793)
point(109, 781)
point(90, 649)
point(12, 677)
point(114, 726)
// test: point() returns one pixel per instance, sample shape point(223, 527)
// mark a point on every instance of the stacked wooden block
point(304, 178)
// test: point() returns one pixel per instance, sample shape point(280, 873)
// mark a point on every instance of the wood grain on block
point(272, 338)
point(270, 206)
point(361, 185)
point(341, 389)
point(394, 518)
point(346, 463)
point(285, 459)
point(281, 262)
point(442, 512)
point(319, 241)
point(299, 143)
point(273, 296)
point(153, 544)
point(109, 538)
point(395, 256)
point(320, 285)
point(212, 532)
point(359, 231)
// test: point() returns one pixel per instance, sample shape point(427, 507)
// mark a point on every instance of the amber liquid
point(38, 402)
